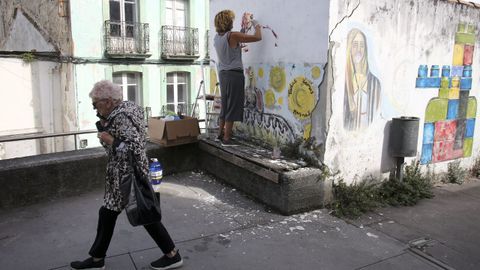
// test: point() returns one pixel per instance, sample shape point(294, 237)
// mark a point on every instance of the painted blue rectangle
point(428, 133)
point(465, 84)
point(428, 82)
point(427, 151)
point(456, 71)
point(470, 128)
point(452, 112)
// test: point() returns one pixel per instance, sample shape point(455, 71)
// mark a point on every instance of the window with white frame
point(123, 15)
point(176, 12)
point(177, 92)
point(131, 85)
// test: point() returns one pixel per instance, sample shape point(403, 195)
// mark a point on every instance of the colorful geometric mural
point(450, 117)
point(362, 88)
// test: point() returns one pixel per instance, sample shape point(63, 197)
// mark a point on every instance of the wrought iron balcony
point(179, 42)
point(126, 39)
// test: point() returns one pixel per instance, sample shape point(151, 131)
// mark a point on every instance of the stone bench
point(285, 185)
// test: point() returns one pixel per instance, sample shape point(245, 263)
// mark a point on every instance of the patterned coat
point(127, 125)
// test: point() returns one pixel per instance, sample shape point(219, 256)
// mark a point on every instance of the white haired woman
point(122, 130)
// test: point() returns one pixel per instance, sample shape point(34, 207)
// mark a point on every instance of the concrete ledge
point(285, 186)
point(39, 178)
point(34, 179)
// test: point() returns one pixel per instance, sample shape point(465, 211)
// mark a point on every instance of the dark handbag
point(141, 204)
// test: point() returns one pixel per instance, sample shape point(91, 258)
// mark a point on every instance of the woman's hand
point(105, 137)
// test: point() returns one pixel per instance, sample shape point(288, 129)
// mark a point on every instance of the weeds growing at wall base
point(414, 187)
point(455, 173)
point(351, 201)
point(475, 169)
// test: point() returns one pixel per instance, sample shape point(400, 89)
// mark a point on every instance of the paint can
point(446, 71)
point(467, 71)
point(435, 71)
point(422, 71)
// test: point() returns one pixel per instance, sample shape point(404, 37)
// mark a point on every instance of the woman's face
point(358, 49)
point(103, 106)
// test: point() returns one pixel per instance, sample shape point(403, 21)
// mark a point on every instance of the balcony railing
point(179, 42)
point(126, 39)
point(207, 39)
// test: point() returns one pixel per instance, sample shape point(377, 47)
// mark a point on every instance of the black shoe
point(219, 138)
point(88, 264)
point(228, 143)
point(167, 263)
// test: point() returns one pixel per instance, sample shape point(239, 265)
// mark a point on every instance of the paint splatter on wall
point(362, 88)
point(247, 27)
point(450, 117)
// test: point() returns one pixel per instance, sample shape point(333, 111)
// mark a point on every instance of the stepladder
point(213, 105)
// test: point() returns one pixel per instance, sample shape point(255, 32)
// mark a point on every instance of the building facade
point(56, 50)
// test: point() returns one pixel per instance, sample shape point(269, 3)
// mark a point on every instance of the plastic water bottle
point(156, 174)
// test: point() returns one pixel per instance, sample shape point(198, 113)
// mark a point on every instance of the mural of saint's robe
point(362, 88)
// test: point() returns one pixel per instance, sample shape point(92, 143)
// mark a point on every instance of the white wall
point(301, 26)
point(283, 72)
point(401, 35)
point(26, 105)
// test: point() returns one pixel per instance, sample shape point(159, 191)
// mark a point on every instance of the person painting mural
point(362, 88)
point(228, 46)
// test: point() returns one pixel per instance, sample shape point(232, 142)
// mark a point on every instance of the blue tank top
point(228, 58)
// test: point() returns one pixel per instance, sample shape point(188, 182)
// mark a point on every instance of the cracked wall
point(376, 50)
point(369, 56)
point(44, 14)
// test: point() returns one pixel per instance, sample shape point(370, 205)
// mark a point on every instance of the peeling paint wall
point(396, 38)
point(39, 97)
point(44, 14)
point(283, 71)
point(29, 105)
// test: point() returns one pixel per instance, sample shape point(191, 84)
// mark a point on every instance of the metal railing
point(179, 42)
point(124, 39)
point(22, 137)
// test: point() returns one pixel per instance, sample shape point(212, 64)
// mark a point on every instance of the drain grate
point(418, 247)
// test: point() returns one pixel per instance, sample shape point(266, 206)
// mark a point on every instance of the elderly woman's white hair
point(106, 89)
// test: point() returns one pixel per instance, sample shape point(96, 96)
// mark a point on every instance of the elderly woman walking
point(122, 131)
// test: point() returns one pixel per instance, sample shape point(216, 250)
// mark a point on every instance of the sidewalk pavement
point(216, 227)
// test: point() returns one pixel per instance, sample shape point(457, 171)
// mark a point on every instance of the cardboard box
point(175, 132)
